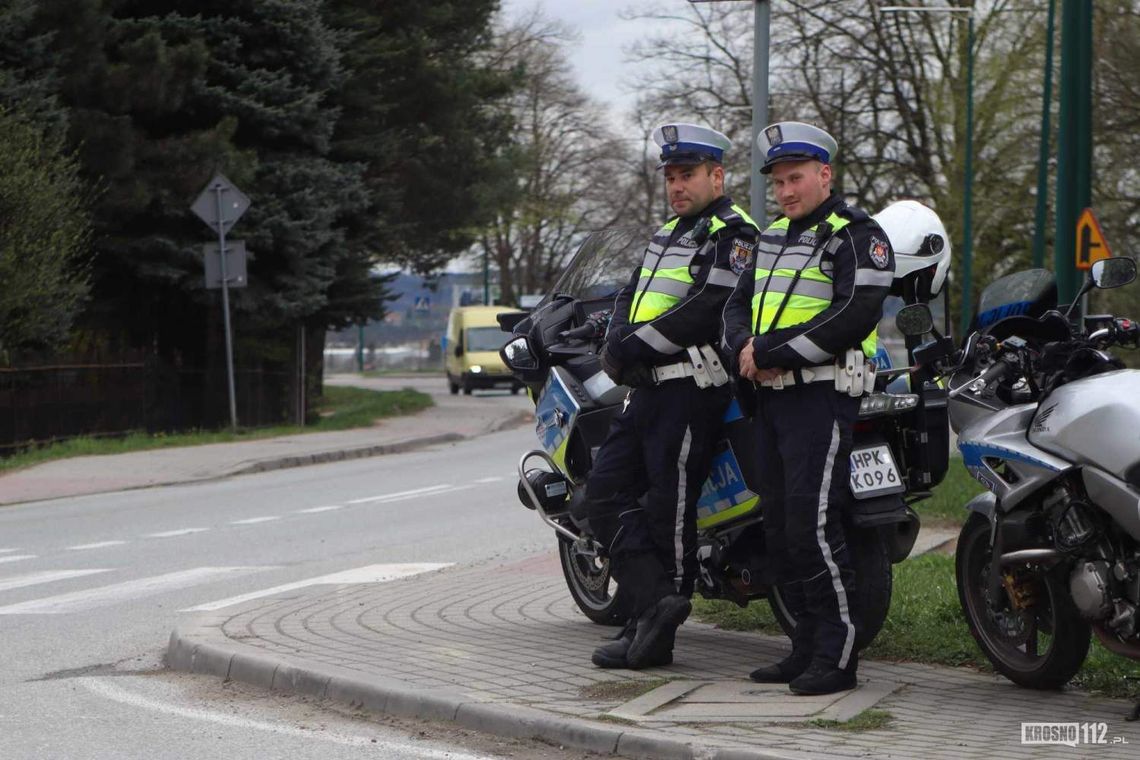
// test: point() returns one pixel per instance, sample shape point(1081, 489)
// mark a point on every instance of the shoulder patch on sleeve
point(880, 252)
point(741, 255)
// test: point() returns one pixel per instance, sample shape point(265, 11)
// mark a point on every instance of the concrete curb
point(341, 455)
point(398, 447)
point(200, 646)
point(304, 460)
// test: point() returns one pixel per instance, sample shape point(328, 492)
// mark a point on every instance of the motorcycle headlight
point(517, 355)
point(886, 403)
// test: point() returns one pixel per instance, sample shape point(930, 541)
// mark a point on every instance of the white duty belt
point(704, 366)
point(852, 375)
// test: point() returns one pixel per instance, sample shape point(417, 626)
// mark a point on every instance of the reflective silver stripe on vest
point(806, 347)
point(873, 277)
point(665, 285)
point(723, 277)
point(655, 340)
point(776, 245)
point(674, 259)
point(789, 260)
point(803, 287)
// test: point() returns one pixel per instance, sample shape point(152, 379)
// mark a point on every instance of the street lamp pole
point(968, 169)
point(762, 22)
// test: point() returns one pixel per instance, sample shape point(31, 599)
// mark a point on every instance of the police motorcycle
point(1047, 421)
point(900, 448)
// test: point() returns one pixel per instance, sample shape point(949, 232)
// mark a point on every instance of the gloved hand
point(610, 365)
point(636, 375)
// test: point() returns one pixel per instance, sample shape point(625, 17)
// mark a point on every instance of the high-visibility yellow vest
point(791, 286)
point(665, 276)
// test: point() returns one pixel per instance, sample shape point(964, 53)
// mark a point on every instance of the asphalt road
point(91, 587)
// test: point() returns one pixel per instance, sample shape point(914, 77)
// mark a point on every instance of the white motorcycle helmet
point(921, 246)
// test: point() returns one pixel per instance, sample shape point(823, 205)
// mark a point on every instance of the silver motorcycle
point(1049, 422)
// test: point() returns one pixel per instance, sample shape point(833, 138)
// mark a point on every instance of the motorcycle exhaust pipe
point(535, 502)
point(1031, 555)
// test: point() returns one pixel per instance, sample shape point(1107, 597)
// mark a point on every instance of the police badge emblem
point(740, 257)
point(669, 132)
point(774, 135)
point(880, 253)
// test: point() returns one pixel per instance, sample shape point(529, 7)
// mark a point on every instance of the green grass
point(868, 720)
point(620, 691)
point(340, 408)
point(926, 624)
point(948, 504)
point(437, 371)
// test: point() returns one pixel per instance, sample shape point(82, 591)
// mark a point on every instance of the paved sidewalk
point(451, 419)
point(500, 647)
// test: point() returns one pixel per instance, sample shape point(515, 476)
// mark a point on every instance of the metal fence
point(41, 404)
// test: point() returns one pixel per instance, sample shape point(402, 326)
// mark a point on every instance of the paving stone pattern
point(509, 633)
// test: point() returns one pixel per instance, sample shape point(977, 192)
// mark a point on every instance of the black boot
point(784, 671)
point(825, 678)
point(656, 628)
point(613, 654)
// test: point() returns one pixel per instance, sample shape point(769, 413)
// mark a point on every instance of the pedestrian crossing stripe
point(120, 592)
point(46, 576)
point(367, 574)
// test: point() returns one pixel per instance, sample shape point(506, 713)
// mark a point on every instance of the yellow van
point(471, 350)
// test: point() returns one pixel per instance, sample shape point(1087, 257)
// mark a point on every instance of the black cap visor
point(686, 159)
point(767, 167)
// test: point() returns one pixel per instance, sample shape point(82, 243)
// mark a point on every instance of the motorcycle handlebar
point(587, 330)
point(996, 372)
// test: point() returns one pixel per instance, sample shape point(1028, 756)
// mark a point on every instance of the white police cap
point(794, 141)
point(689, 144)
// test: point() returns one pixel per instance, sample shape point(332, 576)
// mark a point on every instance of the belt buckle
point(778, 382)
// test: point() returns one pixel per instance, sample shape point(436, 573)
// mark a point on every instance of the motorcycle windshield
point(603, 264)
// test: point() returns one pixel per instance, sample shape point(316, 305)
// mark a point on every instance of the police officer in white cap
point(802, 326)
point(647, 475)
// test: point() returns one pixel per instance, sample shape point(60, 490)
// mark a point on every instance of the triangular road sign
point(1091, 245)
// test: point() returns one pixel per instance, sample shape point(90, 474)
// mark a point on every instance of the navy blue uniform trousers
point(646, 479)
point(803, 436)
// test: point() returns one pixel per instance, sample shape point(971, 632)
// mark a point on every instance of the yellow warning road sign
point(1091, 245)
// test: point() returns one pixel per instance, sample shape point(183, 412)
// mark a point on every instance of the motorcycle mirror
point(914, 320)
point(508, 320)
point(1113, 273)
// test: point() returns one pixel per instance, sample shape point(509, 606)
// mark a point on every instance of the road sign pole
point(226, 307)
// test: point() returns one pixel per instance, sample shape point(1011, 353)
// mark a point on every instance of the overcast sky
point(598, 58)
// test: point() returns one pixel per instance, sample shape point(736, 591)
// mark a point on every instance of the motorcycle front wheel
point(1039, 643)
point(588, 578)
point(873, 585)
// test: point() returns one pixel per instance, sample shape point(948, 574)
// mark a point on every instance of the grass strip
point(926, 624)
point(339, 408)
point(947, 505)
point(868, 720)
